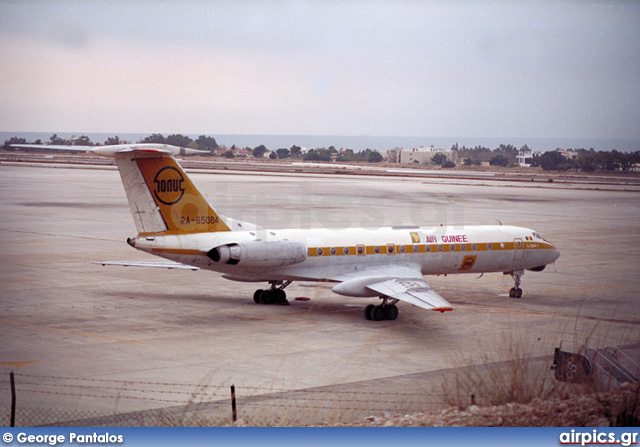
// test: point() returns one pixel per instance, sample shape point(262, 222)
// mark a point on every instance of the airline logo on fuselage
point(168, 185)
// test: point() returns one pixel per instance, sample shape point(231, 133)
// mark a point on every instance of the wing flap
point(412, 291)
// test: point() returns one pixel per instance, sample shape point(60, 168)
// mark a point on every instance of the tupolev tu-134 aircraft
point(176, 222)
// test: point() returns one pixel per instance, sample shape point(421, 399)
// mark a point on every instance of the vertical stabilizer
point(163, 199)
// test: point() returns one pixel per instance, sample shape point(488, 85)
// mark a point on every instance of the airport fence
point(71, 401)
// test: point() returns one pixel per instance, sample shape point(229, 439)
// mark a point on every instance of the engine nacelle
point(358, 286)
point(259, 253)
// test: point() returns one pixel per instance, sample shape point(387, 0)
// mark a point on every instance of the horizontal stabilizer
point(130, 150)
point(164, 265)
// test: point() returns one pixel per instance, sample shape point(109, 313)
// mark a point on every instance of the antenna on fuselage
point(499, 222)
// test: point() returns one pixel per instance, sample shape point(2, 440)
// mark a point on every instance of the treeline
point(587, 160)
point(504, 155)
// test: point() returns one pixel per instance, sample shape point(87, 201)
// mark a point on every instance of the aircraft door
point(518, 246)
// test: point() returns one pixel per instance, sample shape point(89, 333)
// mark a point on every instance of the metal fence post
point(234, 414)
point(13, 399)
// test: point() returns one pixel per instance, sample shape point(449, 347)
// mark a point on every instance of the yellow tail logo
point(183, 208)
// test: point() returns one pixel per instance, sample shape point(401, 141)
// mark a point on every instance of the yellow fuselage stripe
point(391, 249)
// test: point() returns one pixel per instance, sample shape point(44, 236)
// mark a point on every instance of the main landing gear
point(385, 311)
point(274, 295)
point(516, 292)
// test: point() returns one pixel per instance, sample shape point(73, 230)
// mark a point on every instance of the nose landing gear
point(516, 292)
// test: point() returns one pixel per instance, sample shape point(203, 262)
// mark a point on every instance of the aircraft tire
point(368, 311)
point(266, 297)
point(257, 296)
point(279, 296)
point(391, 312)
point(378, 313)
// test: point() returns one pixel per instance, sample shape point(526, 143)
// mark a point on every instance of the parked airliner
point(176, 222)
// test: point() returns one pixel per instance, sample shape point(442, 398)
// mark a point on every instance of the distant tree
point(155, 138)
point(438, 159)
point(55, 139)
point(228, 154)
point(509, 151)
point(258, 151)
point(207, 143)
point(112, 141)
point(317, 155)
point(296, 151)
point(178, 140)
point(347, 155)
point(448, 164)
point(13, 140)
point(499, 160)
point(553, 161)
point(283, 153)
point(375, 157)
point(467, 161)
point(83, 141)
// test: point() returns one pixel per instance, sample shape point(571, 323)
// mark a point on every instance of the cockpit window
point(537, 236)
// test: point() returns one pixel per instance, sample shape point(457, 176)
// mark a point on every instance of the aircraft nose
point(555, 253)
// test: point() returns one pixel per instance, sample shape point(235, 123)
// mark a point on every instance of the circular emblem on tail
point(168, 185)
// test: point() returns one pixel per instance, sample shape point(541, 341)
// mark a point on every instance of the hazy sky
point(434, 68)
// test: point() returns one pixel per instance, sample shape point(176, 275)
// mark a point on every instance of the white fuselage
point(331, 255)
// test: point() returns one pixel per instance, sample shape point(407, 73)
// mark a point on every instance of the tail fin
point(162, 197)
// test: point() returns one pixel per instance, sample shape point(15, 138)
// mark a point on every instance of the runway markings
point(18, 364)
point(71, 331)
point(455, 201)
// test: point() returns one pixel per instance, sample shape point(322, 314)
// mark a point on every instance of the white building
point(420, 155)
point(524, 158)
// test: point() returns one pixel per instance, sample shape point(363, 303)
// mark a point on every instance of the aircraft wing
point(401, 282)
point(164, 265)
point(413, 291)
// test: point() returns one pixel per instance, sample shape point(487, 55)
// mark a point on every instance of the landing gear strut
point(516, 292)
point(385, 311)
point(274, 295)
